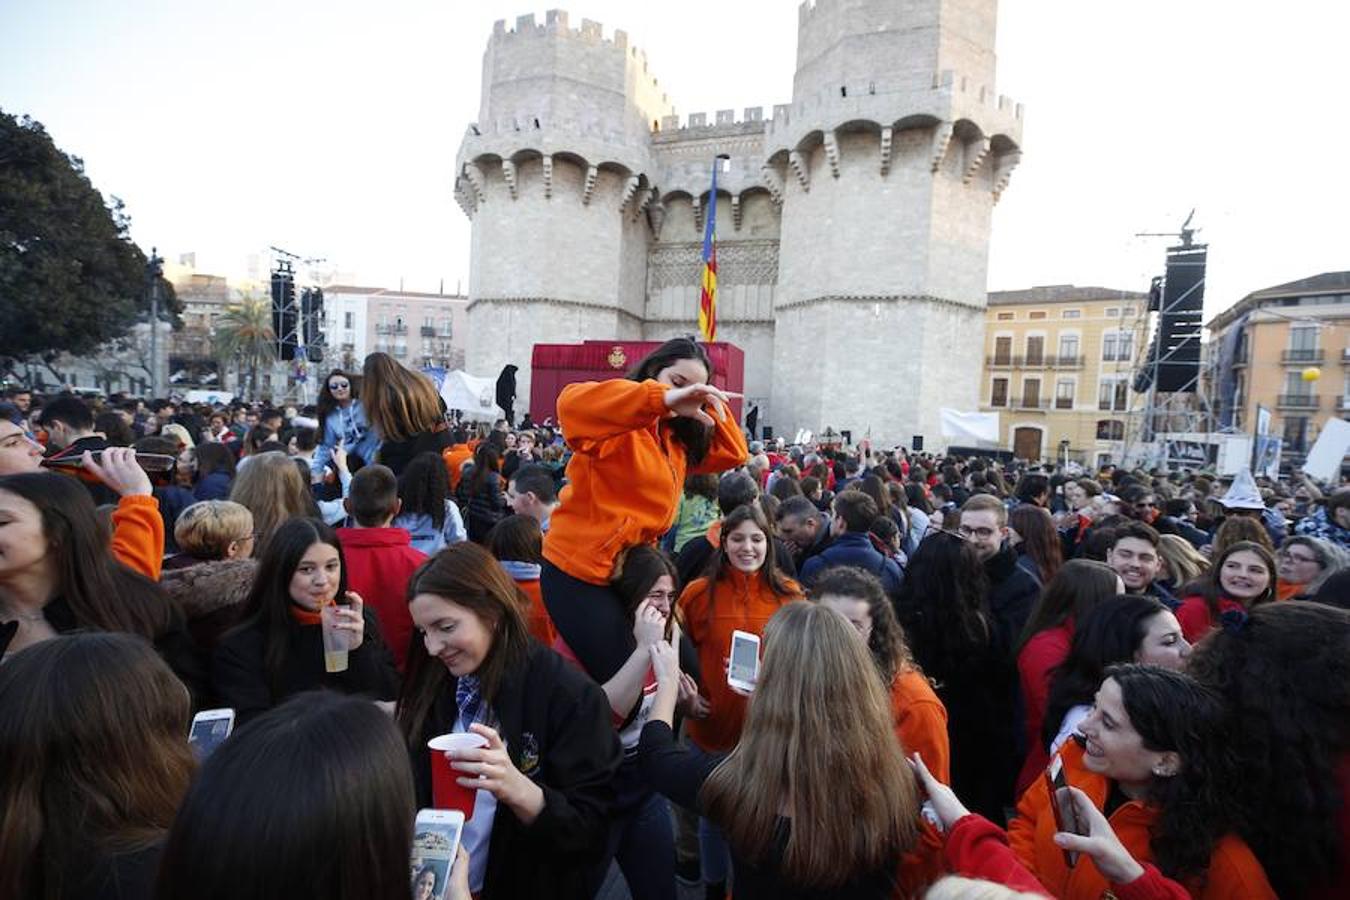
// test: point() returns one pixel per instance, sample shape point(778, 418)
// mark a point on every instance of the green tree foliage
point(244, 334)
point(70, 277)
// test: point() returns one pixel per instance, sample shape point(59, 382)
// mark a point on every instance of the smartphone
point(435, 843)
point(744, 668)
point(150, 462)
point(210, 728)
point(1061, 804)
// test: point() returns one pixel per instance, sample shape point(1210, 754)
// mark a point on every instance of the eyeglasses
point(1290, 557)
point(983, 534)
point(339, 385)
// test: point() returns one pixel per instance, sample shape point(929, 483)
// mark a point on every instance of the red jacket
point(977, 848)
point(1042, 653)
point(1194, 617)
point(379, 563)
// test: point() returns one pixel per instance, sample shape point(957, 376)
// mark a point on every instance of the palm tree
point(244, 332)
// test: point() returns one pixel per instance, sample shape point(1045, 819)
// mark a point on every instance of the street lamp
point(154, 271)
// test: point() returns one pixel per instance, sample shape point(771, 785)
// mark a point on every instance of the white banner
point(960, 426)
point(1324, 460)
point(475, 397)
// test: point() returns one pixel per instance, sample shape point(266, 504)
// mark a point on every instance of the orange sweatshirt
point(1233, 868)
point(541, 626)
point(626, 475)
point(921, 722)
point(138, 535)
point(454, 458)
point(743, 603)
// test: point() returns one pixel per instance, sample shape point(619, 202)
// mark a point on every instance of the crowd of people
point(975, 678)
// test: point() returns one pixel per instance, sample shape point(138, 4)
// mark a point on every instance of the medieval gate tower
point(853, 223)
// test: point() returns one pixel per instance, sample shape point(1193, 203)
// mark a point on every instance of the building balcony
point(1065, 362)
point(1063, 403)
point(1000, 361)
point(1300, 357)
point(1030, 403)
point(1298, 401)
point(391, 329)
point(428, 331)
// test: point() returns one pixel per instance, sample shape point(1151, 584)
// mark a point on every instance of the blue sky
point(331, 128)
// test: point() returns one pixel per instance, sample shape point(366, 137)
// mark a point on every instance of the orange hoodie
point(626, 475)
point(921, 722)
point(454, 458)
point(743, 603)
point(138, 535)
point(1233, 868)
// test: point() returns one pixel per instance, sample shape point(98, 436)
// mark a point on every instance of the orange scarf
point(1284, 590)
point(304, 616)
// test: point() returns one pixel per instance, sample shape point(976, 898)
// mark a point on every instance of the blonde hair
point(1184, 562)
point(399, 402)
point(206, 529)
point(955, 887)
point(273, 490)
point(818, 739)
point(179, 434)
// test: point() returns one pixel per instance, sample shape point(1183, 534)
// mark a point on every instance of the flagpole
point(707, 301)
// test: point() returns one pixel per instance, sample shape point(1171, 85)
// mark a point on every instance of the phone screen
point(744, 660)
point(208, 733)
point(434, 845)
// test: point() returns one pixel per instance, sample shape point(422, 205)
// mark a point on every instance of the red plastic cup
point(446, 792)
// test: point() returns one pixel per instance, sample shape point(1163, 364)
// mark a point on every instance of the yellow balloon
point(1312, 373)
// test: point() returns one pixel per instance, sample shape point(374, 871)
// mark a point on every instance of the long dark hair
point(424, 487)
point(487, 461)
point(768, 574)
point(695, 436)
point(467, 575)
point(1285, 675)
point(1107, 634)
point(101, 592)
point(1040, 541)
point(213, 456)
point(327, 402)
point(269, 603)
point(1174, 712)
point(1210, 588)
point(636, 570)
point(943, 606)
point(93, 757)
point(1079, 586)
point(313, 799)
point(914, 493)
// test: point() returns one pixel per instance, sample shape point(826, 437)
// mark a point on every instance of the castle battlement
point(556, 25)
point(723, 120)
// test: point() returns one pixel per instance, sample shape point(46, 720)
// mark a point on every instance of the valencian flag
point(707, 298)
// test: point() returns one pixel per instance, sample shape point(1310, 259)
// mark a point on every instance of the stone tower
point(890, 156)
point(853, 224)
point(553, 175)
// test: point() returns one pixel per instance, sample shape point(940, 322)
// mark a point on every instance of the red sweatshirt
point(379, 563)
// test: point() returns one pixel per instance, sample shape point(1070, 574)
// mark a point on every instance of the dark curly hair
point(1285, 675)
point(887, 640)
point(1197, 805)
point(943, 605)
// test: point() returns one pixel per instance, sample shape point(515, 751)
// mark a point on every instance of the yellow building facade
point(1059, 362)
point(1260, 348)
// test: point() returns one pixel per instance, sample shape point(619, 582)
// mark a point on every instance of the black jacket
point(397, 454)
point(855, 549)
point(556, 725)
point(239, 676)
point(1013, 592)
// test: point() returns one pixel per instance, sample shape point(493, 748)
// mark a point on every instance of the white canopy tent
point(475, 397)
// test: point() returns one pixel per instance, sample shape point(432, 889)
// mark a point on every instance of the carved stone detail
point(977, 150)
point(738, 262)
point(1004, 164)
point(771, 179)
point(887, 137)
point(736, 211)
point(509, 176)
point(548, 177)
point(591, 174)
point(799, 167)
point(942, 138)
point(832, 152)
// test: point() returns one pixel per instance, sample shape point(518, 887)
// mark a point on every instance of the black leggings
point(590, 618)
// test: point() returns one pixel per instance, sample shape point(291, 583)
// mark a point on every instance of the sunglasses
point(338, 385)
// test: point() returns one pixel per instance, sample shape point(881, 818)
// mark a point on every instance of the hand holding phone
point(1098, 841)
point(210, 728)
point(435, 851)
point(743, 668)
point(1062, 805)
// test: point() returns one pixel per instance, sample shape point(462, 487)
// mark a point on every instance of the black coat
point(239, 676)
point(397, 454)
point(557, 728)
point(1013, 592)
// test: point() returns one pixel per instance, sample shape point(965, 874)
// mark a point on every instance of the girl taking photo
point(1154, 761)
point(278, 649)
point(544, 779)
